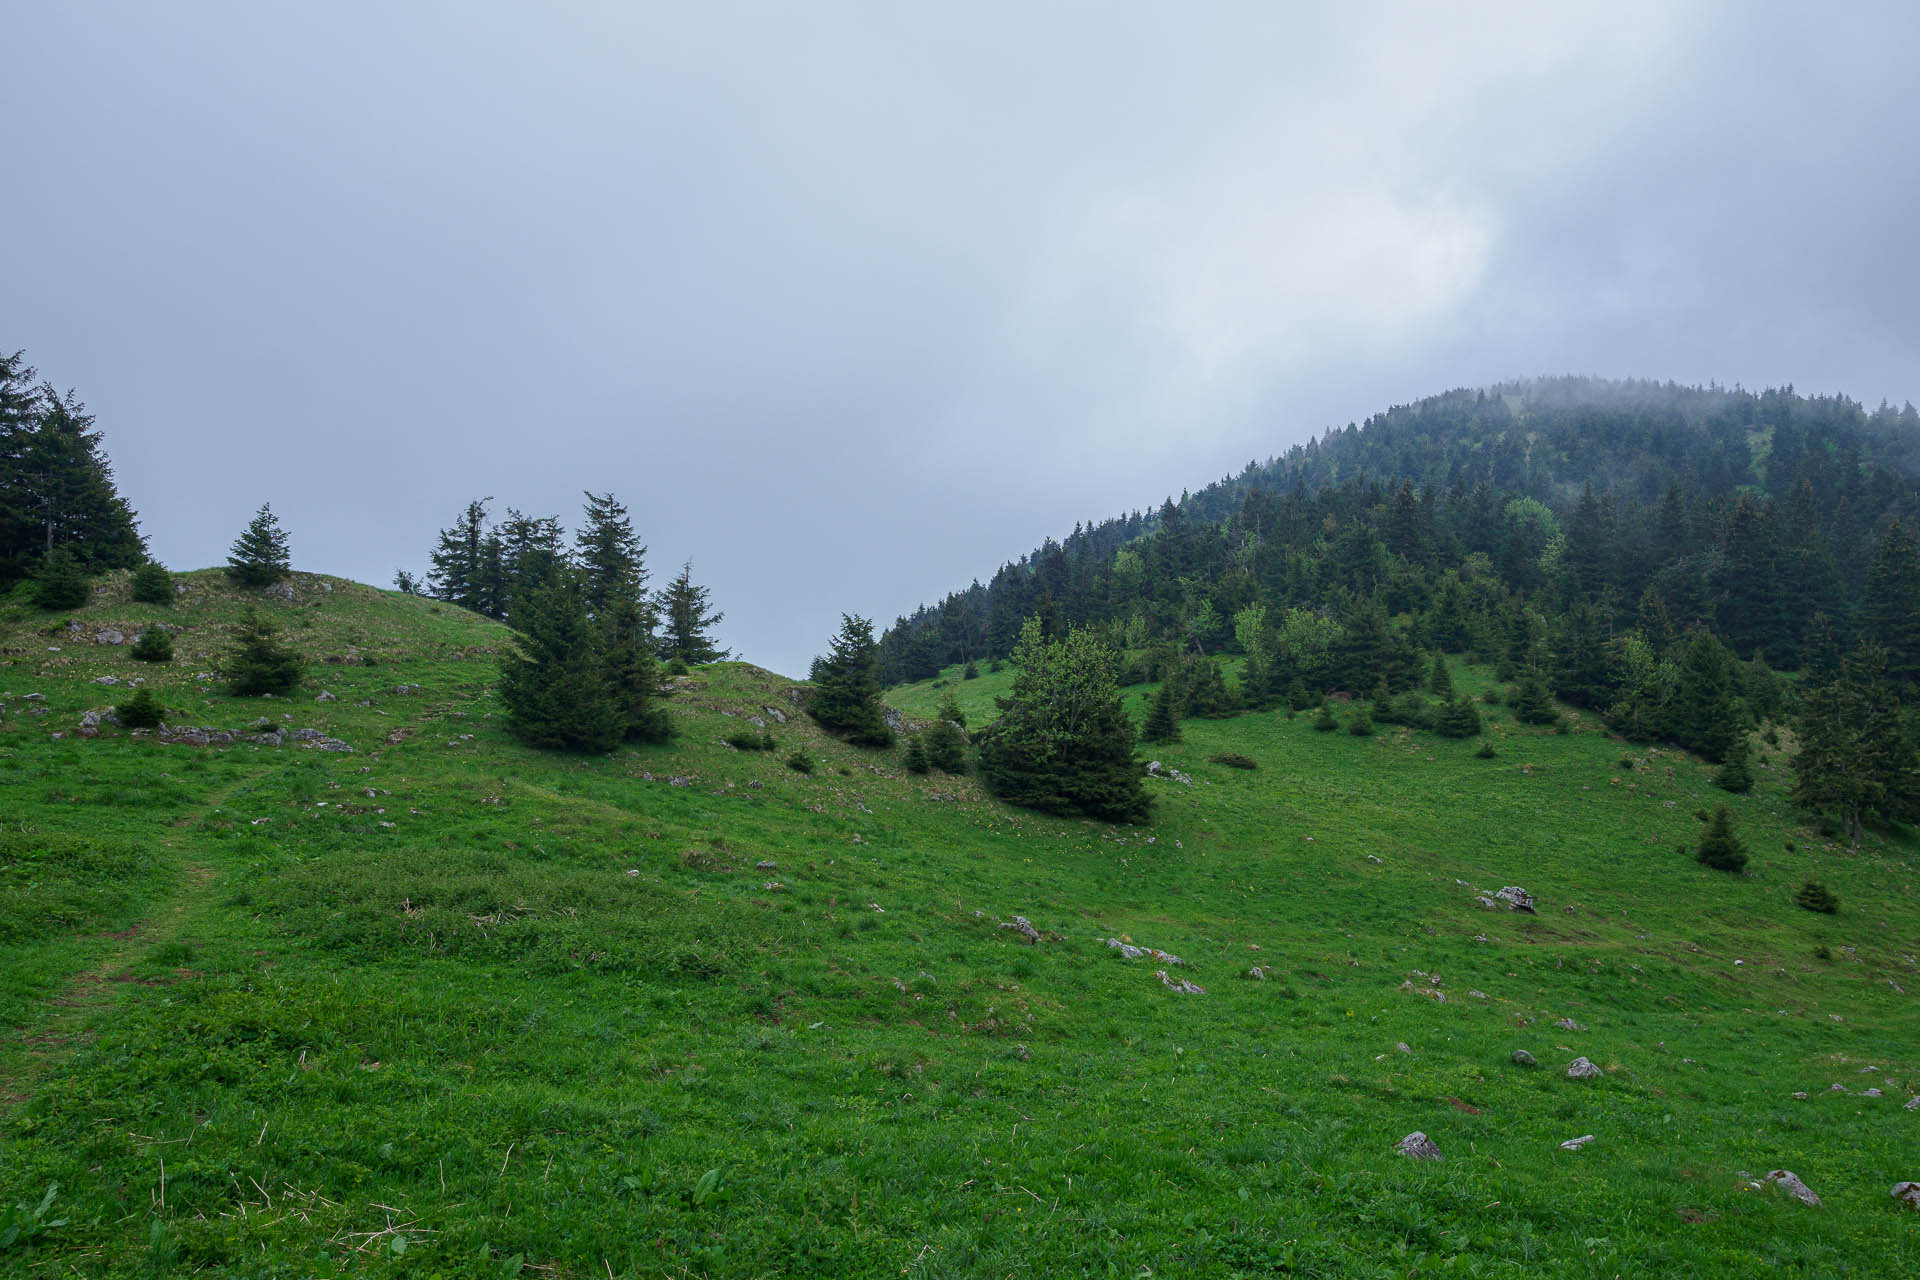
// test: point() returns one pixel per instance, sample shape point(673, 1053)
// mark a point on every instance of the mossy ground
point(447, 1006)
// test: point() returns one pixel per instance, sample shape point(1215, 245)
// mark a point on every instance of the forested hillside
point(1657, 554)
point(1745, 513)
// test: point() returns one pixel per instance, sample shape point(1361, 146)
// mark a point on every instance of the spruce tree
point(1533, 701)
point(631, 673)
point(1457, 719)
point(946, 740)
point(1063, 743)
point(56, 487)
point(459, 560)
point(256, 662)
point(609, 554)
point(142, 711)
point(259, 556)
point(916, 755)
point(1324, 722)
point(686, 623)
point(845, 698)
point(1162, 724)
point(152, 584)
point(1892, 602)
point(554, 681)
point(1814, 896)
point(1720, 847)
point(62, 582)
point(1360, 725)
point(153, 645)
point(1440, 681)
point(1734, 775)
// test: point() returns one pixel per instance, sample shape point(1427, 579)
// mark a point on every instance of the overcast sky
point(851, 303)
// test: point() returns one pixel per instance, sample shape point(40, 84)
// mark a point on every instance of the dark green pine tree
point(259, 557)
point(686, 624)
point(609, 554)
point(61, 582)
point(1324, 721)
point(1206, 690)
point(1703, 715)
point(1360, 724)
point(459, 559)
point(1858, 756)
point(56, 488)
point(1163, 721)
point(1063, 743)
point(916, 760)
point(1457, 719)
point(1720, 846)
point(153, 645)
point(1891, 611)
point(632, 675)
point(1734, 774)
point(1440, 682)
point(845, 698)
point(152, 584)
point(554, 680)
point(257, 662)
point(946, 739)
point(1533, 701)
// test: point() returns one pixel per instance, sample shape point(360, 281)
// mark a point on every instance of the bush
point(917, 755)
point(970, 672)
point(798, 762)
point(1324, 722)
point(1457, 719)
point(153, 645)
point(1720, 848)
point(1823, 952)
point(142, 710)
point(1234, 760)
point(61, 582)
point(1486, 751)
point(1814, 896)
point(1361, 725)
point(152, 584)
point(743, 740)
point(258, 663)
point(1734, 775)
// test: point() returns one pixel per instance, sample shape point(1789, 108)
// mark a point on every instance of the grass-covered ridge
point(445, 1003)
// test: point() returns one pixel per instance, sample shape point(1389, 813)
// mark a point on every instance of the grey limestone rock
point(1581, 1069)
point(109, 636)
point(1418, 1146)
point(1788, 1181)
point(1521, 1058)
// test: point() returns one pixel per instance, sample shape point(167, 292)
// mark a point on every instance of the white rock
point(1581, 1069)
point(1788, 1181)
point(1418, 1146)
point(1907, 1193)
point(1574, 1144)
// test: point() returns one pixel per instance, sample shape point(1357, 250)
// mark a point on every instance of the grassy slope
point(553, 1013)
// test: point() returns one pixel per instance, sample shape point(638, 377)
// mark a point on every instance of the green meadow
point(443, 1006)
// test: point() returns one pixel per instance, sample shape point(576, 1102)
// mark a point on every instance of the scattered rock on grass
point(1418, 1146)
point(1023, 927)
point(1521, 1058)
point(1788, 1181)
point(1180, 985)
point(1581, 1069)
point(1907, 1193)
point(1517, 898)
point(1913, 1103)
point(1568, 1024)
point(1574, 1144)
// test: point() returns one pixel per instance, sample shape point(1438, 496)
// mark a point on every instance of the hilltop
point(444, 1004)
